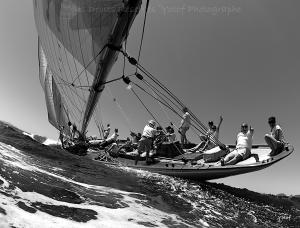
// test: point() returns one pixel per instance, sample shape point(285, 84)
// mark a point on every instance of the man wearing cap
point(244, 141)
point(146, 141)
point(275, 139)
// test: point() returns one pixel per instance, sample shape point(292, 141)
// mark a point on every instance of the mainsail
point(79, 43)
point(77, 40)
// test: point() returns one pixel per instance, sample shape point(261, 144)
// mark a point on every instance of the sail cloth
point(57, 114)
point(73, 35)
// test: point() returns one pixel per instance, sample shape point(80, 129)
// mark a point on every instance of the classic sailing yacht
point(79, 42)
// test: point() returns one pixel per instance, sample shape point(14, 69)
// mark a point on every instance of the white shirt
point(186, 120)
point(106, 132)
point(172, 137)
point(114, 137)
point(277, 133)
point(244, 140)
point(149, 132)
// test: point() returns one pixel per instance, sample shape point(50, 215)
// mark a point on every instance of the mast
point(119, 33)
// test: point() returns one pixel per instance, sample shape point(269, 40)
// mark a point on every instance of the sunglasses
point(244, 126)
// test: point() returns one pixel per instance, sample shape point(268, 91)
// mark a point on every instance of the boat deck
point(198, 169)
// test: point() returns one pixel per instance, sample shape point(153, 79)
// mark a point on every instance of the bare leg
point(137, 158)
point(275, 145)
point(205, 145)
point(195, 148)
point(183, 135)
point(237, 158)
point(141, 147)
point(232, 158)
point(147, 157)
point(183, 138)
point(271, 142)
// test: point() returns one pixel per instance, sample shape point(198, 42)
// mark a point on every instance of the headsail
point(57, 113)
point(76, 36)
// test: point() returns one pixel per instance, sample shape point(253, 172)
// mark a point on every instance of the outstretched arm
point(182, 120)
point(251, 130)
point(220, 122)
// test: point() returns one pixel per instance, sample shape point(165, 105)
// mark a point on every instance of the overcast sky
point(239, 59)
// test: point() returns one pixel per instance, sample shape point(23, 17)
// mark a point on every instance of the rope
point(153, 116)
point(165, 104)
point(162, 108)
point(90, 62)
point(202, 126)
point(143, 31)
point(149, 75)
point(145, 106)
point(121, 109)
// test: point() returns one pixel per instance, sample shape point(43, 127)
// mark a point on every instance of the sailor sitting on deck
point(171, 136)
point(159, 138)
point(113, 138)
point(127, 147)
point(106, 132)
point(135, 138)
point(145, 144)
point(208, 140)
point(275, 139)
point(243, 146)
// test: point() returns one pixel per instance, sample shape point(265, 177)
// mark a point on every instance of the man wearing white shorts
point(243, 146)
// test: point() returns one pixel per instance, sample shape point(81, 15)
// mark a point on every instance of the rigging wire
point(162, 108)
point(160, 102)
point(148, 74)
point(121, 109)
point(166, 104)
point(179, 108)
point(151, 114)
point(89, 63)
point(201, 130)
point(143, 32)
point(80, 45)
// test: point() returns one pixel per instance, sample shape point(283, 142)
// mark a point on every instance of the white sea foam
point(28, 134)
point(51, 142)
point(47, 142)
point(134, 215)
